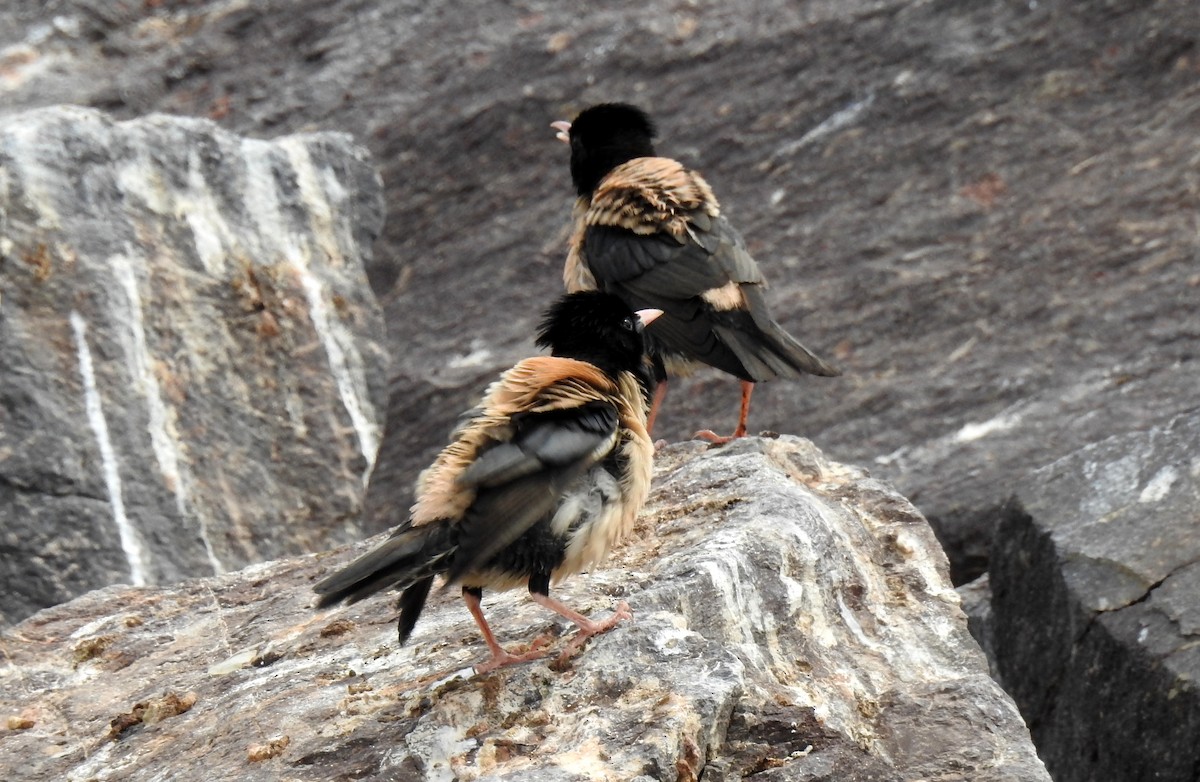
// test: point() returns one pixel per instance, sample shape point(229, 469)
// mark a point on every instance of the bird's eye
point(628, 324)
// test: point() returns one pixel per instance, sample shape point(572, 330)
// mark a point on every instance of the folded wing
point(519, 482)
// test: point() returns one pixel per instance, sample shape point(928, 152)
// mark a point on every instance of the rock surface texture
point(793, 621)
point(193, 375)
point(984, 212)
point(1095, 620)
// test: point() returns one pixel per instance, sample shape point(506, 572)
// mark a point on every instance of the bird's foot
point(589, 628)
point(501, 658)
point(716, 439)
point(659, 444)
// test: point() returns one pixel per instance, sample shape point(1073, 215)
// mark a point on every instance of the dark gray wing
point(710, 255)
point(657, 270)
point(670, 274)
point(519, 482)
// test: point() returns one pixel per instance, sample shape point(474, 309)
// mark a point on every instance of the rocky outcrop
point(1095, 609)
point(193, 366)
point(793, 621)
point(983, 211)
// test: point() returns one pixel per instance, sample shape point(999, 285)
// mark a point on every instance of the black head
point(605, 136)
point(597, 328)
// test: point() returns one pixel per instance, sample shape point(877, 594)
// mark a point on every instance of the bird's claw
point(714, 438)
point(541, 642)
point(620, 614)
point(506, 659)
point(537, 650)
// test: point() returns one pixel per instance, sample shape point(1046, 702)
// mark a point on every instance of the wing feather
point(519, 482)
point(653, 234)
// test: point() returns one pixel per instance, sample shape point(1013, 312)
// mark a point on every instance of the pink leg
point(660, 393)
point(587, 627)
point(713, 437)
point(500, 657)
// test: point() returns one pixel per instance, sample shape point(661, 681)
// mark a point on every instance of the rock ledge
point(794, 620)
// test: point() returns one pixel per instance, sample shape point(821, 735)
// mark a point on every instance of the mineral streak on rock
point(793, 620)
point(191, 352)
point(131, 539)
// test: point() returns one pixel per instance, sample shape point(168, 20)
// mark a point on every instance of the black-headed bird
point(539, 481)
point(650, 231)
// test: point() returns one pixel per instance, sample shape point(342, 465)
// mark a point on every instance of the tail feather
point(412, 600)
point(795, 356)
point(749, 352)
point(770, 352)
point(410, 556)
point(767, 340)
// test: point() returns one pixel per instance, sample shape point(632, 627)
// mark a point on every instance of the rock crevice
point(1077, 645)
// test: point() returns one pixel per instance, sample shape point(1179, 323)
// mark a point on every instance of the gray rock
point(793, 620)
point(193, 363)
point(977, 605)
point(1096, 607)
point(983, 211)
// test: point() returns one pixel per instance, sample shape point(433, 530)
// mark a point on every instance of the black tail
point(767, 352)
point(412, 600)
point(746, 343)
point(763, 347)
point(408, 560)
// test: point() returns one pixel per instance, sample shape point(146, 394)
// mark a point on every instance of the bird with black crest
point(650, 230)
point(540, 479)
